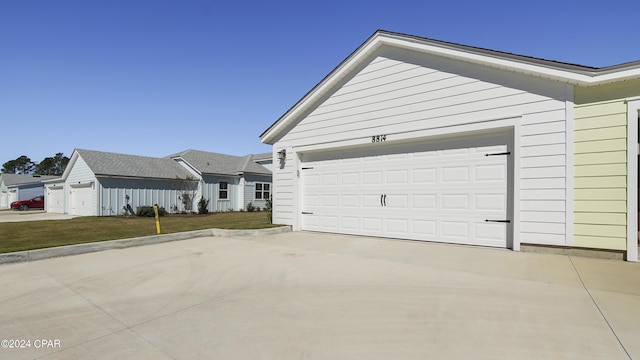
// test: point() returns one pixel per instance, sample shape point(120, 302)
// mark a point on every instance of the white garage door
point(82, 201)
point(13, 196)
point(54, 201)
point(447, 191)
point(4, 200)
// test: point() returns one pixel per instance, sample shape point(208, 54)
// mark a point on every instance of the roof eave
point(128, 177)
point(554, 71)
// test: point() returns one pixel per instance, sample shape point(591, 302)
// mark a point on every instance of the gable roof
point(22, 179)
point(548, 69)
point(106, 164)
point(220, 164)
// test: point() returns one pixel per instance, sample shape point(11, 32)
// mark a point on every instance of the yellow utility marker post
point(155, 209)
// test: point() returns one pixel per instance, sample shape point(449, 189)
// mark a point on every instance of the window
point(262, 191)
point(223, 193)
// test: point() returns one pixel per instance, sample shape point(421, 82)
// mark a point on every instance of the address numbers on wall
point(379, 138)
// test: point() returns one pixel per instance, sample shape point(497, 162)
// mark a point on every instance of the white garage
point(54, 199)
point(419, 139)
point(452, 190)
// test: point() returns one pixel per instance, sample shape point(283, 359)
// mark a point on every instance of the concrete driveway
point(318, 296)
point(31, 215)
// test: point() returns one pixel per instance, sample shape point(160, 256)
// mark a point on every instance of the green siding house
point(605, 165)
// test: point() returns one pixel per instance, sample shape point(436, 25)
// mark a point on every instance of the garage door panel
point(330, 200)
point(397, 177)
point(455, 174)
point(434, 194)
point(491, 203)
point(490, 173)
point(458, 230)
point(426, 229)
point(424, 201)
point(351, 224)
point(311, 200)
point(372, 178)
point(425, 176)
point(371, 201)
point(396, 201)
point(490, 231)
point(350, 179)
point(372, 225)
point(350, 201)
point(329, 179)
point(329, 222)
point(312, 179)
point(455, 202)
point(397, 227)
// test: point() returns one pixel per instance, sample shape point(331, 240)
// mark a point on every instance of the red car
point(22, 205)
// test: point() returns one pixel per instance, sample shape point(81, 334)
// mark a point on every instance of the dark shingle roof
point(21, 179)
point(121, 165)
point(214, 163)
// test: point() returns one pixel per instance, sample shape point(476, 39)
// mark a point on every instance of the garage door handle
point(385, 199)
point(498, 221)
point(381, 197)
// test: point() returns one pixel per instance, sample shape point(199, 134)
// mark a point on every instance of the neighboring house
point(99, 183)
point(229, 182)
point(15, 187)
point(421, 139)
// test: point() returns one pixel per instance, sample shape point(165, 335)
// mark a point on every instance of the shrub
point(202, 206)
point(250, 207)
point(268, 208)
point(148, 211)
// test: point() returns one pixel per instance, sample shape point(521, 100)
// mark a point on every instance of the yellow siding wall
point(600, 165)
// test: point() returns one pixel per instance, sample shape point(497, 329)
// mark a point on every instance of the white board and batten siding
point(402, 95)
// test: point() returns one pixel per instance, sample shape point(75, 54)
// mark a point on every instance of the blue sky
point(155, 77)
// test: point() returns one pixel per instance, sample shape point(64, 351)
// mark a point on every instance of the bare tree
point(188, 191)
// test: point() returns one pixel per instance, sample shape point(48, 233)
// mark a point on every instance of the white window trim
point(261, 191)
point(227, 198)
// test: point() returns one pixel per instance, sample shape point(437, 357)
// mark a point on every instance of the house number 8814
point(378, 138)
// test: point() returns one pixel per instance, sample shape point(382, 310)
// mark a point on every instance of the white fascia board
point(70, 165)
point(551, 73)
point(190, 168)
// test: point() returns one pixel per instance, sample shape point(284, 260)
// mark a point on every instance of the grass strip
point(29, 235)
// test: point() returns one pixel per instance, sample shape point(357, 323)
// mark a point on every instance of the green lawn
point(18, 236)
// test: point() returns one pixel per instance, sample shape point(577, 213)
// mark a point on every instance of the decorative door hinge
point(498, 154)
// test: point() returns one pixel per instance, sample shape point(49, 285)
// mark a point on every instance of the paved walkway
point(319, 296)
point(31, 215)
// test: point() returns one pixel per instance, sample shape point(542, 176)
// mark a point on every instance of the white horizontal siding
point(80, 173)
point(400, 92)
point(283, 191)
